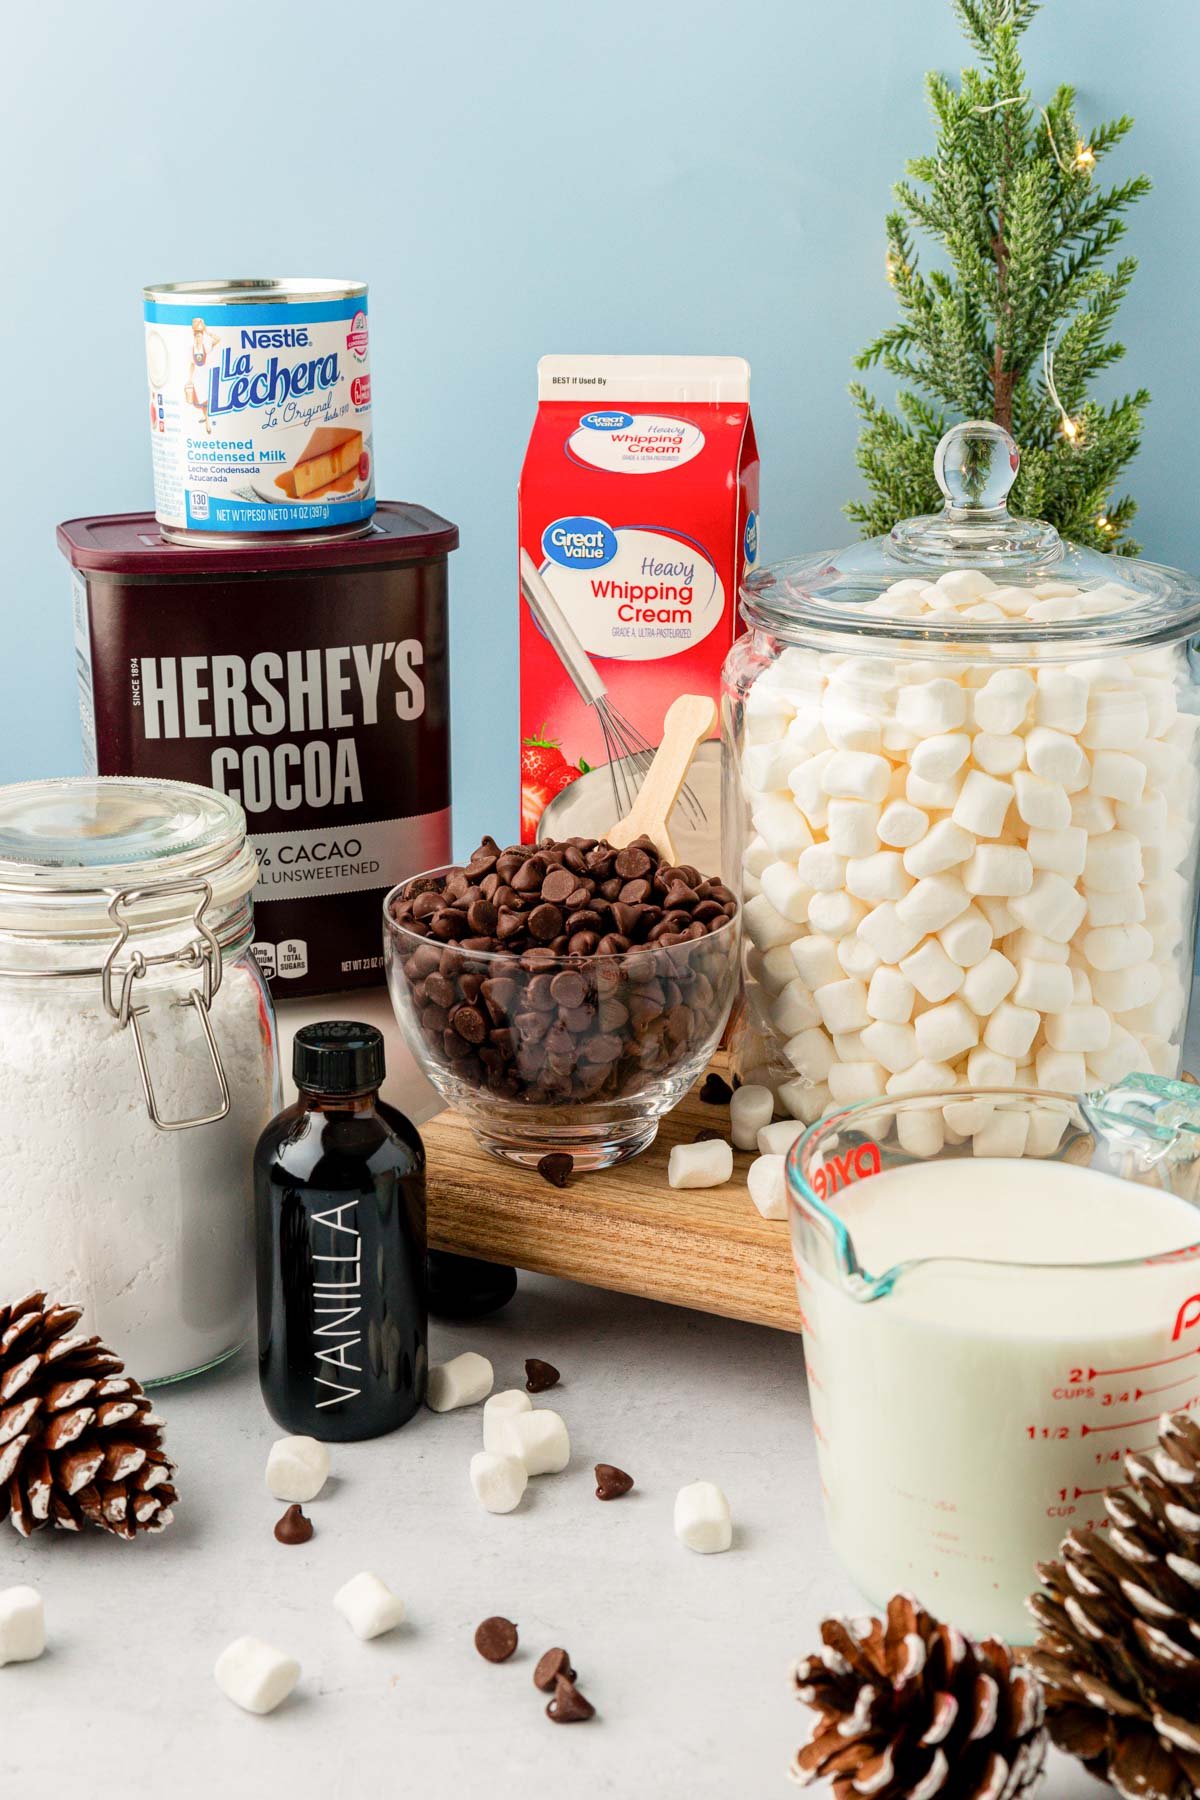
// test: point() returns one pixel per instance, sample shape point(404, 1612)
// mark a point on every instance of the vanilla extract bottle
point(339, 1189)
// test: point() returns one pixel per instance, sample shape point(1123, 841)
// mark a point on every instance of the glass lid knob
point(975, 465)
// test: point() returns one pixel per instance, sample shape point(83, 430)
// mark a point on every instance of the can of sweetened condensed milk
point(260, 409)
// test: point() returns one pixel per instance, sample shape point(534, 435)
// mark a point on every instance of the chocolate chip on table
point(707, 1133)
point(556, 1166)
point(611, 1482)
point(568, 1707)
point(540, 1376)
point(550, 1665)
point(715, 1091)
point(496, 1639)
point(295, 1527)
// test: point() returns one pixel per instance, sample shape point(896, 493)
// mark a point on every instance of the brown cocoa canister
point(310, 682)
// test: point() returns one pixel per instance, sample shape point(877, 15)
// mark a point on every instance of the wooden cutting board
point(621, 1228)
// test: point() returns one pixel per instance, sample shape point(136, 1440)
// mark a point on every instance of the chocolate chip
point(568, 1707)
point(540, 1376)
point(569, 987)
point(631, 863)
point(550, 1665)
point(611, 1482)
point(496, 1639)
point(469, 1023)
point(707, 1133)
point(544, 922)
point(296, 1527)
point(558, 884)
point(715, 1091)
point(556, 1166)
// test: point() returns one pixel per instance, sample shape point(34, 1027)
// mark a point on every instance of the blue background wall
point(635, 175)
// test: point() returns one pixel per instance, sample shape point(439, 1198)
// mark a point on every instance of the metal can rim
point(265, 290)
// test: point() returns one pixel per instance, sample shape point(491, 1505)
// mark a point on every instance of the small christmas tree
point(1018, 326)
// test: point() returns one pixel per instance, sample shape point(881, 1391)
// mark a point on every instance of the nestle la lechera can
point(260, 408)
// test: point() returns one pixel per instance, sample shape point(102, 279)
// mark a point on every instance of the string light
point(894, 267)
point(1084, 159)
point(1072, 429)
point(1105, 524)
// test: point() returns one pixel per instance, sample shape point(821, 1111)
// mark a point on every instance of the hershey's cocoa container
point(309, 682)
point(260, 407)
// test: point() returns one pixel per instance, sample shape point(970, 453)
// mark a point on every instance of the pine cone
point(914, 1709)
point(79, 1443)
point(1119, 1650)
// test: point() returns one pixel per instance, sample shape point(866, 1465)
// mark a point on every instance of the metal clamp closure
point(203, 952)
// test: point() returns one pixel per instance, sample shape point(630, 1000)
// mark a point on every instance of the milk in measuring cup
point(970, 1417)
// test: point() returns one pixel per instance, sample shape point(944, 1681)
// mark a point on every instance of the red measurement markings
point(1132, 1395)
point(1163, 1362)
point(1112, 1488)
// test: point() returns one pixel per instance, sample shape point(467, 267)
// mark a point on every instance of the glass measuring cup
point(970, 1404)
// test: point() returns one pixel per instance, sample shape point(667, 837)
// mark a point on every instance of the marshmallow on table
point(777, 1139)
point(804, 1100)
point(463, 1381)
point(499, 1481)
point(297, 1469)
point(255, 1676)
point(22, 1625)
point(502, 1406)
point(706, 1164)
point(538, 1439)
point(702, 1518)
point(750, 1108)
point(765, 1182)
point(368, 1605)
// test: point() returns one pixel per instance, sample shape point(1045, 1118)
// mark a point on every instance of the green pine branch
point(1010, 198)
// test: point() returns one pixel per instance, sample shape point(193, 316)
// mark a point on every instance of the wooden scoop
point(689, 720)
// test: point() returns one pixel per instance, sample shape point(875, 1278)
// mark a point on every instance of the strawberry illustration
point(545, 772)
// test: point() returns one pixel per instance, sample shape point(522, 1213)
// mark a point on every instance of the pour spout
point(1148, 1120)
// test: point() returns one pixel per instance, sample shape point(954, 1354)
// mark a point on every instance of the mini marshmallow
point(774, 968)
point(1120, 990)
point(1051, 907)
point(22, 1625)
point(766, 1186)
point(1048, 987)
point(1054, 756)
point(786, 890)
point(499, 1482)
point(1116, 720)
point(1147, 819)
point(920, 1133)
point(1002, 702)
point(804, 1100)
point(297, 1469)
point(834, 915)
point(890, 996)
point(843, 1007)
point(816, 959)
point(995, 910)
point(967, 939)
point(901, 825)
point(1064, 850)
point(1092, 813)
point(1041, 802)
point(498, 1407)
point(764, 925)
point(1062, 1071)
point(878, 877)
point(1023, 944)
point(945, 1031)
point(894, 1047)
point(932, 971)
point(857, 958)
point(999, 870)
point(1114, 861)
point(821, 870)
point(855, 775)
point(1122, 1055)
point(990, 981)
point(756, 856)
point(932, 796)
point(750, 1108)
point(766, 766)
point(983, 803)
point(943, 847)
point(1011, 1030)
point(852, 827)
point(702, 1518)
point(924, 1077)
point(1083, 1028)
point(1061, 700)
point(966, 1117)
point(928, 906)
point(889, 934)
point(463, 1381)
point(539, 1438)
point(1004, 1134)
point(851, 1082)
point(848, 1047)
point(847, 727)
point(997, 753)
point(987, 1068)
point(1082, 995)
point(254, 1676)
point(1126, 908)
point(1118, 776)
point(777, 1139)
point(936, 758)
point(781, 826)
point(1117, 946)
point(368, 1605)
point(706, 1164)
point(1046, 1127)
point(931, 707)
point(965, 584)
point(810, 1053)
point(795, 1009)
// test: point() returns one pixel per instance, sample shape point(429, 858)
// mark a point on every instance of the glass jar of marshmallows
point(962, 785)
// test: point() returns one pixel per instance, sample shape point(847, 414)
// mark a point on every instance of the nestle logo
point(277, 337)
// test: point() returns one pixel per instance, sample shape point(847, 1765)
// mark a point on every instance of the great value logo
point(580, 542)
point(607, 421)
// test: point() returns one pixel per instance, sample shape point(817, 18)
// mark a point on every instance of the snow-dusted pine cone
point(79, 1442)
point(1119, 1650)
point(910, 1709)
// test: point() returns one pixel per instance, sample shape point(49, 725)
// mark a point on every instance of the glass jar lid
point(974, 573)
point(68, 846)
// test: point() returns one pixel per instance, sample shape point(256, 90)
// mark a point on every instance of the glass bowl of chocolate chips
point(563, 996)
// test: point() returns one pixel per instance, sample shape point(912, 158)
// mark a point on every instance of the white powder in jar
point(150, 1231)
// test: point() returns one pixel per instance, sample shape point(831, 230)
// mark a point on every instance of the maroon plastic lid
point(130, 544)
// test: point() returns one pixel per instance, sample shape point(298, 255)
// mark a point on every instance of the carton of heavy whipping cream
point(638, 519)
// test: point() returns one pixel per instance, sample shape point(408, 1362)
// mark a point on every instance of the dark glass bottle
point(339, 1190)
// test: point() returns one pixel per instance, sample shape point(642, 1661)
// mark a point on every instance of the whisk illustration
point(628, 753)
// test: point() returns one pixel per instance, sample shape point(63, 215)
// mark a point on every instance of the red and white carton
point(638, 519)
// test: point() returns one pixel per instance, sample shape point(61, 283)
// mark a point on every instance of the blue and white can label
point(260, 407)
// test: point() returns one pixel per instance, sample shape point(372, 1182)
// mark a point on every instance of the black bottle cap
point(338, 1056)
